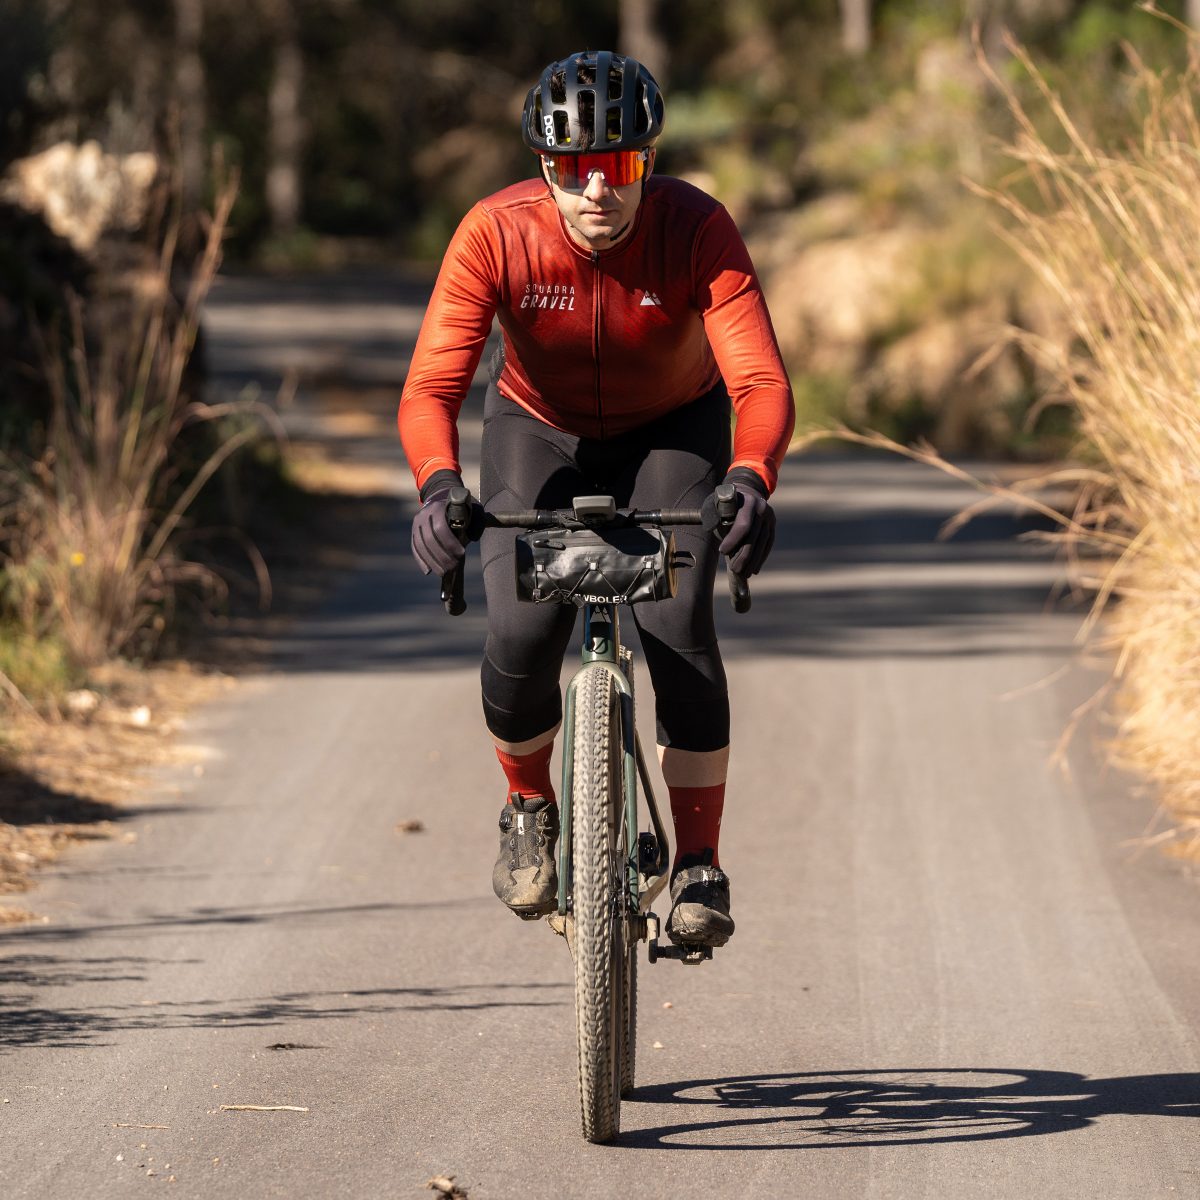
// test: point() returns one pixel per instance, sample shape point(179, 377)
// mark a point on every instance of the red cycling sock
point(529, 774)
point(696, 812)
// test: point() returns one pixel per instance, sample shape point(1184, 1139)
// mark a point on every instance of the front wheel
point(598, 864)
point(629, 1035)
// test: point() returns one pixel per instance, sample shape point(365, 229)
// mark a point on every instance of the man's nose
point(597, 185)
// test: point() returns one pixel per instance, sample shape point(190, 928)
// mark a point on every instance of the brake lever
point(458, 513)
point(727, 507)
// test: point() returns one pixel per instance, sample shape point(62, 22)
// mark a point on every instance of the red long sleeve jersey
point(599, 342)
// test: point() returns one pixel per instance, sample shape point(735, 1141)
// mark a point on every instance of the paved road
point(950, 978)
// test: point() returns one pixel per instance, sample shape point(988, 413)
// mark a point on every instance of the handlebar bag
point(613, 565)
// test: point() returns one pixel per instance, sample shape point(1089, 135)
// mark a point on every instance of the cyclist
point(632, 318)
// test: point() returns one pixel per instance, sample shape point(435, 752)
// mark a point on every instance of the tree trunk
point(856, 26)
point(286, 134)
point(639, 39)
point(189, 92)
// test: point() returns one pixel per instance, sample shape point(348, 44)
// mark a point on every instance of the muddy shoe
point(525, 876)
point(699, 903)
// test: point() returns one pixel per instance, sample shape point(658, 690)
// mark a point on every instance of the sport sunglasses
point(571, 172)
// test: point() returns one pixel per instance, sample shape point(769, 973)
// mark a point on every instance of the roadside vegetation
point(1112, 229)
point(107, 520)
point(98, 495)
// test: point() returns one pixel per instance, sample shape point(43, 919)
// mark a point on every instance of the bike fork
point(600, 648)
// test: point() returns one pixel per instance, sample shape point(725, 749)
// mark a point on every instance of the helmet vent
point(612, 126)
point(641, 118)
point(562, 128)
point(587, 118)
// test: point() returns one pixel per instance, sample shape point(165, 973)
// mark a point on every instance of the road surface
point(952, 976)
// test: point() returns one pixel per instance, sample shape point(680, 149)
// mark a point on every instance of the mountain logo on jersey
point(549, 295)
point(649, 298)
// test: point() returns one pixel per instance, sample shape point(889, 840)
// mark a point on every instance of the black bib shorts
point(673, 462)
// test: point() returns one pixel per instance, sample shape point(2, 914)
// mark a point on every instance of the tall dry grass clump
point(1114, 233)
point(90, 523)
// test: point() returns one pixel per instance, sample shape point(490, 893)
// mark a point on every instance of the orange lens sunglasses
point(571, 172)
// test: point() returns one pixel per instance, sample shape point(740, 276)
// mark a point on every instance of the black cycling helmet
point(568, 111)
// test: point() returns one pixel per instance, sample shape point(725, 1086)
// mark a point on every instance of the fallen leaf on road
point(657, 1046)
point(446, 1188)
point(668, 1004)
point(410, 825)
point(262, 1108)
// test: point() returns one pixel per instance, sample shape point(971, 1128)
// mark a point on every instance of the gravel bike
point(602, 559)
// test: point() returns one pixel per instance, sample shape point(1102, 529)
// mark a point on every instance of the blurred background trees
point(838, 132)
point(385, 119)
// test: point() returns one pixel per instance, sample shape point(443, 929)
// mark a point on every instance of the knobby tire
point(598, 858)
point(629, 1037)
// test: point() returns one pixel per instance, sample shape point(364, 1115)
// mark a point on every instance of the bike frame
point(602, 648)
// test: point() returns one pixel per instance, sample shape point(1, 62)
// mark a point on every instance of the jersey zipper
point(596, 279)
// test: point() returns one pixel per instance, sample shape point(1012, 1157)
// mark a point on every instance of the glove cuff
point(749, 479)
point(440, 481)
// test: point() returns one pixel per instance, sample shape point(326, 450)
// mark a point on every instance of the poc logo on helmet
point(548, 125)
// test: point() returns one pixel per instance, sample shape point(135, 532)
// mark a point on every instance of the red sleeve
point(743, 342)
point(456, 326)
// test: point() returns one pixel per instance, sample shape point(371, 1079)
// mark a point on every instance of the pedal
point(689, 955)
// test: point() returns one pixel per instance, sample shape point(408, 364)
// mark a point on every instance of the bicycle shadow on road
point(814, 1110)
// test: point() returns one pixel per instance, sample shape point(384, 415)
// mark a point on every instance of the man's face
point(600, 215)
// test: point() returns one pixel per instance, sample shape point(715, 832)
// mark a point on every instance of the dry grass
point(1114, 234)
point(91, 524)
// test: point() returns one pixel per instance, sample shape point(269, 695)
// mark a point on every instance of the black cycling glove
point(436, 546)
point(752, 534)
